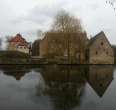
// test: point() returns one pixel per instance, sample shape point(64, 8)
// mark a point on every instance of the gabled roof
point(93, 39)
point(17, 38)
point(100, 89)
point(19, 41)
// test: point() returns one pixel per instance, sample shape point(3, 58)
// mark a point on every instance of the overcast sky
point(28, 16)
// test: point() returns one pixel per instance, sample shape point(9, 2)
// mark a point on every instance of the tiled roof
point(17, 38)
point(92, 40)
point(19, 41)
point(95, 37)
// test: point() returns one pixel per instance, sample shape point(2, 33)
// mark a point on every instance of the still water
point(58, 88)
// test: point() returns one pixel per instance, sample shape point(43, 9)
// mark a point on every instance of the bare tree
point(8, 38)
point(1, 43)
point(40, 34)
point(112, 3)
point(69, 25)
point(64, 22)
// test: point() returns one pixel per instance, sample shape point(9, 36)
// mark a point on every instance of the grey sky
point(28, 16)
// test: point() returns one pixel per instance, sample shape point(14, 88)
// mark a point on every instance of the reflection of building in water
point(16, 74)
point(99, 78)
point(16, 71)
point(64, 86)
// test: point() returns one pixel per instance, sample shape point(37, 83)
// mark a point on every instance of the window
point(107, 53)
point(96, 52)
point(102, 43)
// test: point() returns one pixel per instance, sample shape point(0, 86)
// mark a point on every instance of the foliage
point(13, 54)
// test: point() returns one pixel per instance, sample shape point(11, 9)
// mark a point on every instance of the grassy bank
point(13, 57)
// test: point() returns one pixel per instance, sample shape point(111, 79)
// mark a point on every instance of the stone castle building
point(36, 48)
point(69, 45)
point(75, 47)
point(100, 50)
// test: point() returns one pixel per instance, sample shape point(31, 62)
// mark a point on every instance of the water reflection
point(65, 86)
point(53, 87)
point(99, 78)
point(16, 71)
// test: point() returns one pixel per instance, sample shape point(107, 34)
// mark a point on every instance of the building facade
point(66, 45)
point(36, 48)
point(100, 50)
point(18, 43)
point(99, 78)
point(114, 48)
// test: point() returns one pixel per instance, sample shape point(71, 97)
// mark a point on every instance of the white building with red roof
point(18, 43)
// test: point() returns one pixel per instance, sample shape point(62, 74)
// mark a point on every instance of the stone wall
point(36, 48)
point(101, 52)
point(99, 78)
point(59, 44)
point(23, 49)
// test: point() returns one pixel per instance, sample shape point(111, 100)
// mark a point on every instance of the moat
point(55, 87)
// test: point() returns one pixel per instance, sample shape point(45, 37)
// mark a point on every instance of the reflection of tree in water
point(65, 97)
point(16, 71)
point(64, 85)
point(99, 78)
